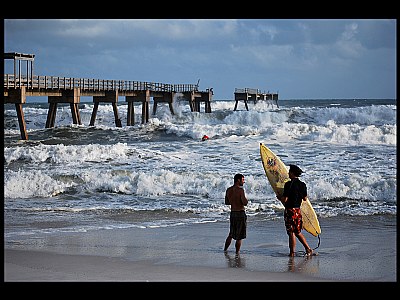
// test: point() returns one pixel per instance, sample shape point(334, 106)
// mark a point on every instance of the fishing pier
point(255, 95)
point(18, 86)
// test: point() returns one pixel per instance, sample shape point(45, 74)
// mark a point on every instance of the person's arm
point(305, 198)
point(243, 198)
point(283, 199)
point(227, 202)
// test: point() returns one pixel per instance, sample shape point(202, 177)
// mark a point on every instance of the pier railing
point(249, 91)
point(38, 82)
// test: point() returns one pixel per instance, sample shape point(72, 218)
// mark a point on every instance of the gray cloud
point(292, 56)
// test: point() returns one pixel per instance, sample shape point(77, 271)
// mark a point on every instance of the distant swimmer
point(204, 138)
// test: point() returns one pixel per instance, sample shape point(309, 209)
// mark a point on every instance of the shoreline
point(353, 249)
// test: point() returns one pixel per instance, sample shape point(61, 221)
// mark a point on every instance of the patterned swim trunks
point(293, 220)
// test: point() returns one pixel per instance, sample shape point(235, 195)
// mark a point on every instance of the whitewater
point(75, 178)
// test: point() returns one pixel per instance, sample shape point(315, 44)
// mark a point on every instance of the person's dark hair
point(237, 177)
point(295, 170)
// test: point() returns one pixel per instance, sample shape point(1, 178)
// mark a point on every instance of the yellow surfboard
point(278, 174)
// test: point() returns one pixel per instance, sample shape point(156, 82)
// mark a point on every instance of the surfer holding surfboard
point(278, 176)
point(294, 193)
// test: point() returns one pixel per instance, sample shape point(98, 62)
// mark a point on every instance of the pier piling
point(108, 97)
point(67, 96)
point(18, 97)
point(163, 97)
point(254, 95)
point(144, 98)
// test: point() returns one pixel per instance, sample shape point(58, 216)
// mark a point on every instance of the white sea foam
point(62, 154)
point(162, 174)
point(27, 184)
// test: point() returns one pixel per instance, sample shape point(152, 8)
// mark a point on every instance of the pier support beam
point(109, 97)
point(275, 98)
point(18, 97)
point(21, 121)
point(163, 97)
point(205, 97)
point(241, 96)
point(255, 95)
point(195, 98)
point(68, 96)
point(144, 98)
point(190, 97)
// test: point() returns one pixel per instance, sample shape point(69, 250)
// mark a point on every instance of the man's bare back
point(236, 198)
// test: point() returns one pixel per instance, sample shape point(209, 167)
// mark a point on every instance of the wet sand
point(353, 249)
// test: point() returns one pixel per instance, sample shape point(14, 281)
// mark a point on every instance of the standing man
point(235, 197)
point(295, 191)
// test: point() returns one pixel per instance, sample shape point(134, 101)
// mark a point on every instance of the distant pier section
point(255, 95)
point(58, 89)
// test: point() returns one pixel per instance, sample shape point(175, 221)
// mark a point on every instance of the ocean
point(79, 178)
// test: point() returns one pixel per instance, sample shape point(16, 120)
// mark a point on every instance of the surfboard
point(278, 174)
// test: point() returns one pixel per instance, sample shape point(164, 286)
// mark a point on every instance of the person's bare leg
point(292, 243)
point(303, 240)
point(237, 245)
point(227, 242)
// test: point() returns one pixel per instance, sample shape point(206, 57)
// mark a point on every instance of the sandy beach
point(45, 266)
point(357, 251)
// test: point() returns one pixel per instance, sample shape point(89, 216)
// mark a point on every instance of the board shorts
point(293, 220)
point(238, 224)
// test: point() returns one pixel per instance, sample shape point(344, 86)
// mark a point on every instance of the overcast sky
point(299, 59)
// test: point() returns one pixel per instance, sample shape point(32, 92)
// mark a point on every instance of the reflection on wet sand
point(303, 265)
point(235, 262)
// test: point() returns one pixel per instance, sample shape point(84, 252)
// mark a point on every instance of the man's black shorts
point(238, 225)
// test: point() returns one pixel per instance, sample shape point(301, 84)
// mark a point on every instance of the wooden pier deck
point(70, 90)
point(18, 86)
